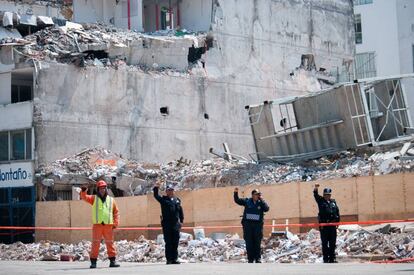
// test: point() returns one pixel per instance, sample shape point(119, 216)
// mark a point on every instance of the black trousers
point(253, 235)
point(328, 238)
point(171, 238)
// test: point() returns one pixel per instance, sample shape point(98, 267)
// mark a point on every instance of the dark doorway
point(17, 208)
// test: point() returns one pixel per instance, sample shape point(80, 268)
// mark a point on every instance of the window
point(16, 145)
point(166, 16)
point(4, 146)
point(28, 144)
point(365, 66)
point(372, 104)
point(358, 29)
point(362, 2)
point(21, 93)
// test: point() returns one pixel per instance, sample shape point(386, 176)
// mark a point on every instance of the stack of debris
point(137, 178)
point(362, 244)
point(99, 45)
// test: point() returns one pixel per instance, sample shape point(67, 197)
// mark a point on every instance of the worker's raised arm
point(316, 195)
point(156, 193)
point(84, 196)
point(236, 198)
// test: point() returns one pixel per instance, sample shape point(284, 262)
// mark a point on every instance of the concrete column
point(5, 88)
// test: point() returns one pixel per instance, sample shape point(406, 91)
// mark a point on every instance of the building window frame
point(358, 29)
point(17, 93)
point(7, 153)
point(27, 146)
point(365, 65)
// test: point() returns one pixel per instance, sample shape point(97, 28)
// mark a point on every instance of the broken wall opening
point(195, 54)
point(164, 111)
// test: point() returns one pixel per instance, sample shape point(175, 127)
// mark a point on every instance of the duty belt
point(253, 217)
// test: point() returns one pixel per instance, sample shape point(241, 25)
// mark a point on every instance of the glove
point(84, 188)
point(77, 189)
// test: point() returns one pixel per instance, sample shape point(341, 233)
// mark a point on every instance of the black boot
point(93, 263)
point(113, 263)
point(175, 262)
point(333, 260)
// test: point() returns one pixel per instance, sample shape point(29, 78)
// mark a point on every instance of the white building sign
point(16, 174)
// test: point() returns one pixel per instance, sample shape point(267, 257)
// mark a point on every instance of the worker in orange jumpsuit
point(105, 218)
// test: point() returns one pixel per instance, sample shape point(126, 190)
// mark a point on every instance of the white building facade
point(384, 32)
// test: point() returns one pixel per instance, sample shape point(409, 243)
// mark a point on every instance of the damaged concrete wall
point(120, 110)
point(196, 14)
point(109, 12)
point(361, 198)
point(261, 42)
point(257, 45)
point(158, 53)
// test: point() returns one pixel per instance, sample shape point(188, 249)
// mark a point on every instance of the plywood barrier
point(55, 213)
point(359, 198)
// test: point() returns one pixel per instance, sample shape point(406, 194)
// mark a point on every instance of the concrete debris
point(304, 248)
point(106, 46)
point(137, 178)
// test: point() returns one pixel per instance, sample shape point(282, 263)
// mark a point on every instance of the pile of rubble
point(355, 244)
point(95, 45)
point(137, 178)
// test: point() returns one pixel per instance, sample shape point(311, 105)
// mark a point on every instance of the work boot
point(258, 261)
point(93, 263)
point(113, 263)
point(175, 262)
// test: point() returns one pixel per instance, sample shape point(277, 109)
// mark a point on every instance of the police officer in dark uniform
point(328, 213)
point(252, 222)
point(171, 220)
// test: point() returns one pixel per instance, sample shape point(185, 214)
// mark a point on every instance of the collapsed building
point(370, 112)
point(178, 91)
point(241, 61)
point(174, 85)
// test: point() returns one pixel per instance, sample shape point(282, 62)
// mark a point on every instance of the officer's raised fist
point(236, 189)
point(157, 184)
point(84, 188)
point(316, 185)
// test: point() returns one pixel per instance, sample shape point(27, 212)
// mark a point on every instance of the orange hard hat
point(100, 184)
